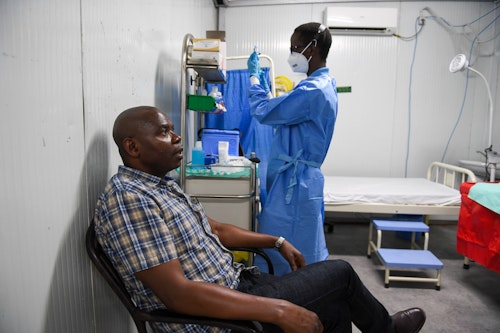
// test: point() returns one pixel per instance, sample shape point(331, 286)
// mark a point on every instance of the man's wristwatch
point(279, 243)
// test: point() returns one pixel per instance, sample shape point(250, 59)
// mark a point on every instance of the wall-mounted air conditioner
point(361, 20)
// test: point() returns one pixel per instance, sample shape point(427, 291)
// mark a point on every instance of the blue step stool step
point(400, 226)
point(403, 228)
point(412, 227)
point(409, 258)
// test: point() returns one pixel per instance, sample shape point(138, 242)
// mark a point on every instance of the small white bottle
point(215, 93)
point(219, 102)
point(223, 149)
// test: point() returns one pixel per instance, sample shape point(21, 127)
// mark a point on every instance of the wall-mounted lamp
point(460, 63)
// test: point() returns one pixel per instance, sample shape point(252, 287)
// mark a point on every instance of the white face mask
point(298, 62)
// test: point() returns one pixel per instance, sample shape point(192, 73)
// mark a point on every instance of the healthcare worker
point(304, 120)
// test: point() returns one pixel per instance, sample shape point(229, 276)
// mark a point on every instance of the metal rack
point(231, 200)
point(205, 73)
point(238, 196)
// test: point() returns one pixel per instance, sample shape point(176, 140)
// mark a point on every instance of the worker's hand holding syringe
point(256, 73)
point(254, 65)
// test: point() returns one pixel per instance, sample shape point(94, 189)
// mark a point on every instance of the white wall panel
point(436, 93)
point(132, 53)
point(67, 69)
point(42, 180)
point(363, 133)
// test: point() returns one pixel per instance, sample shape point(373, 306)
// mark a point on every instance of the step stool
point(395, 225)
point(414, 258)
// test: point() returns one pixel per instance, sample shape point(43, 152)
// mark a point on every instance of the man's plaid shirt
point(143, 221)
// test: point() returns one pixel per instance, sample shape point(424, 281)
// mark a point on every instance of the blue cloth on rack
point(255, 136)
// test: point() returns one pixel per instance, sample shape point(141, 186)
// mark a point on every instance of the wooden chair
point(140, 317)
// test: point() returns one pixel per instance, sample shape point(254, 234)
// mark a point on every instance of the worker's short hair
point(318, 34)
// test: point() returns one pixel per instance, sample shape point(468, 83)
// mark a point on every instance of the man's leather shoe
point(408, 321)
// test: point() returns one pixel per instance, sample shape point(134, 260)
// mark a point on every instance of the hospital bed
point(437, 194)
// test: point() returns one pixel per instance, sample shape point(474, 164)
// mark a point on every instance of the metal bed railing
point(449, 175)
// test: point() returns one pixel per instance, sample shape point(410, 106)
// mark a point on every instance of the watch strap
point(279, 243)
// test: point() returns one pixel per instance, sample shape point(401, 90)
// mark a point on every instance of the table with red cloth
point(478, 232)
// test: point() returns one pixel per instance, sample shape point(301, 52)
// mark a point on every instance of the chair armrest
point(259, 252)
point(245, 326)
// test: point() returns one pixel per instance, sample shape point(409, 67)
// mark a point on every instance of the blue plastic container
point(210, 139)
point(408, 217)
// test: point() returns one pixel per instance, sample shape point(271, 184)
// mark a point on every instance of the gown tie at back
point(293, 179)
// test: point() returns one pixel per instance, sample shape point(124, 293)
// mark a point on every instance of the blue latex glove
point(253, 64)
point(263, 82)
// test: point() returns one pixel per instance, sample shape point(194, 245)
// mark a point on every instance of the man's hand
point(300, 320)
point(292, 255)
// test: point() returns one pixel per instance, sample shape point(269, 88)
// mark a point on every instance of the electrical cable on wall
point(420, 22)
point(467, 76)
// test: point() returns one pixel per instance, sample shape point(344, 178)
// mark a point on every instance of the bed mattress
point(395, 191)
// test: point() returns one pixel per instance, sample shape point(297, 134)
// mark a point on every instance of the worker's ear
point(316, 47)
point(131, 147)
point(312, 48)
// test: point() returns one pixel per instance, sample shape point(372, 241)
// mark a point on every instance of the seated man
point(171, 255)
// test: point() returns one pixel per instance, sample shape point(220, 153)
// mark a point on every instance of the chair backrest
point(106, 268)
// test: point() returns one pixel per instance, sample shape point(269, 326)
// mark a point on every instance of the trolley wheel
point(386, 285)
point(438, 288)
point(466, 266)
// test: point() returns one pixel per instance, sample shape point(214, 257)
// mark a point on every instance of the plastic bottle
point(198, 156)
point(223, 148)
point(215, 93)
point(219, 102)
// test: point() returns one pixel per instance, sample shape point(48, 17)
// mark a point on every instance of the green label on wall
point(344, 89)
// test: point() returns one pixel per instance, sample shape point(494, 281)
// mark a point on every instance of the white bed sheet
point(395, 191)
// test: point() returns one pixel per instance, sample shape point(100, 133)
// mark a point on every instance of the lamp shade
point(458, 63)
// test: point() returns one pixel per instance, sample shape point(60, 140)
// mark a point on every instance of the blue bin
point(407, 217)
point(210, 140)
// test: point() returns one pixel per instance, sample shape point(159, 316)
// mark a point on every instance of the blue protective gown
point(304, 120)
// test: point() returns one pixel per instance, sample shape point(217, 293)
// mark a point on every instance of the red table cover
point(478, 232)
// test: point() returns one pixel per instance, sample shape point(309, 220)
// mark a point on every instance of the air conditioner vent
point(361, 20)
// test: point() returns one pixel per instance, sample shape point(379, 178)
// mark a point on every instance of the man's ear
point(131, 147)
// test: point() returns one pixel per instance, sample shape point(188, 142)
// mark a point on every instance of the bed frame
point(446, 174)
